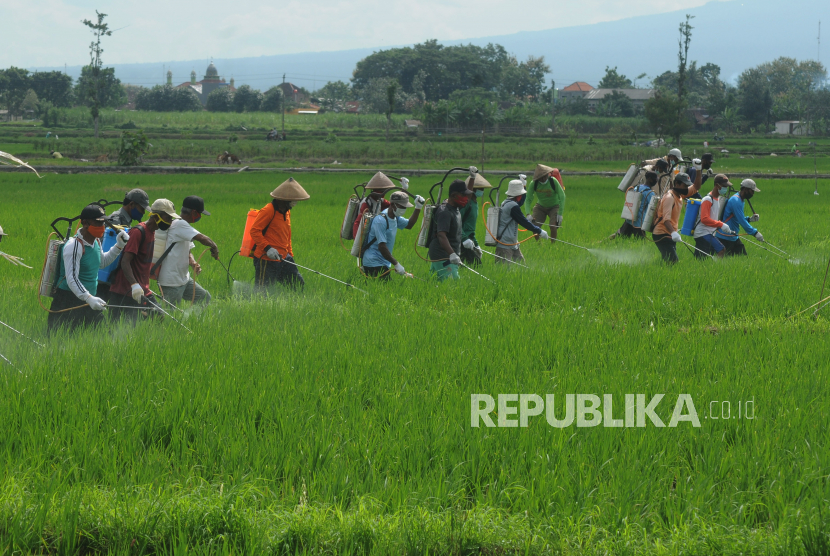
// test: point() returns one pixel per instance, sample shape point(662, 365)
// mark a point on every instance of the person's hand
point(473, 171)
point(404, 184)
point(214, 252)
point(95, 303)
point(400, 269)
point(136, 292)
point(419, 202)
point(759, 237)
point(754, 218)
point(529, 217)
point(197, 269)
point(122, 239)
point(558, 219)
point(523, 179)
point(468, 244)
point(273, 254)
point(478, 250)
point(543, 235)
point(697, 164)
point(455, 259)
point(676, 237)
point(726, 229)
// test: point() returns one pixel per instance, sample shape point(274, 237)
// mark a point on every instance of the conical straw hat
point(541, 170)
point(479, 183)
point(379, 181)
point(290, 190)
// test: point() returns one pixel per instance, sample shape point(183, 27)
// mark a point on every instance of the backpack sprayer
point(425, 234)
point(361, 237)
point(492, 220)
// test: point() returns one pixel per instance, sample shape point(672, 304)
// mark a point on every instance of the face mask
point(681, 190)
point(197, 217)
point(723, 190)
point(400, 211)
point(520, 200)
point(96, 231)
point(479, 193)
point(292, 204)
point(462, 201)
point(136, 214)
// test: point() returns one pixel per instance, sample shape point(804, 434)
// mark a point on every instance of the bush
point(246, 99)
point(220, 100)
point(165, 98)
point(132, 148)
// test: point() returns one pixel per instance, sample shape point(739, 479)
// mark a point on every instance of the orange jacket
point(278, 234)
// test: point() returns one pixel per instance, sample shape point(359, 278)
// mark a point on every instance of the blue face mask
point(723, 190)
point(479, 192)
point(136, 214)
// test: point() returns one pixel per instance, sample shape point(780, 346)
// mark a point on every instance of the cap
point(459, 186)
point(165, 206)
point(750, 184)
point(195, 203)
point(400, 198)
point(541, 171)
point(2, 233)
point(707, 156)
point(290, 190)
point(721, 179)
point(478, 183)
point(139, 197)
point(676, 152)
point(93, 212)
point(515, 188)
point(380, 181)
point(683, 178)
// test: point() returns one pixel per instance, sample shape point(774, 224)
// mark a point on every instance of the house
point(575, 90)
point(701, 116)
point(413, 123)
point(352, 106)
point(792, 127)
point(638, 96)
point(293, 93)
point(207, 85)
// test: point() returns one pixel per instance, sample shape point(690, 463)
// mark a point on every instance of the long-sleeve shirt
point(369, 204)
point(733, 215)
point(469, 218)
point(510, 218)
point(278, 234)
point(707, 224)
point(80, 264)
point(668, 213)
point(549, 194)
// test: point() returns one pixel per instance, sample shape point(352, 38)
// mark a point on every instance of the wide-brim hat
point(515, 188)
point(290, 190)
point(380, 181)
point(541, 171)
point(164, 206)
point(478, 183)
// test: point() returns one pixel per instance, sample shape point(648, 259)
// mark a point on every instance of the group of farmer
point(79, 299)
point(720, 219)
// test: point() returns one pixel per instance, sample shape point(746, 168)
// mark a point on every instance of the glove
point(529, 217)
point(473, 171)
point(399, 269)
point(404, 184)
point(697, 164)
point(558, 219)
point(753, 218)
point(524, 179)
point(95, 303)
point(543, 234)
point(136, 292)
point(122, 239)
point(759, 237)
point(419, 202)
point(675, 237)
point(468, 244)
point(455, 259)
point(478, 250)
point(273, 254)
point(726, 229)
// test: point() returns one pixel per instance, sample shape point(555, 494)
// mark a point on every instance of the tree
point(682, 57)
point(756, 99)
point(99, 29)
point(30, 102)
point(614, 80)
point(272, 100)
point(110, 91)
point(166, 98)
point(333, 95)
point(54, 87)
point(391, 89)
point(220, 100)
point(523, 80)
point(132, 148)
point(246, 99)
point(617, 104)
point(14, 86)
point(576, 106)
point(662, 111)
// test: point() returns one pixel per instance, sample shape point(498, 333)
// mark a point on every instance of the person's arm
point(109, 257)
point(706, 215)
point(384, 251)
point(516, 213)
point(740, 217)
point(127, 269)
point(207, 242)
point(412, 220)
point(444, 242)
point(531, 192)
point(666, 207)
point(72, 253)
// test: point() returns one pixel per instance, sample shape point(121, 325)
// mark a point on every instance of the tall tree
point(99, 29)
point(14, 85)
point(614, 80)
point(111, 93)
point(54, 87)
point(682, 58)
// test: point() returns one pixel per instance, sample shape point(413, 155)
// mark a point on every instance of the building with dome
point(207, 85)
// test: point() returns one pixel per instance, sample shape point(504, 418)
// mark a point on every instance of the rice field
point(331, 422)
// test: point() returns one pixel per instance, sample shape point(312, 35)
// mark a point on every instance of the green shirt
point(550, 194)
point(469, 217)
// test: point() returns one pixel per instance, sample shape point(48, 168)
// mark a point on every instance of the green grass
point(332, 422)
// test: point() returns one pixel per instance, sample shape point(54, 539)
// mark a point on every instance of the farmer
point(673, 158)
point(510, 217)
point(135, 204)
point(379, 185)
point(77, 278)
point(708, 222)
point(547, 186)
point(633, 227)
point(271, 232)
point(470, 250)
point(174, 278)
point(378, 258)
point(665, 233)
point(733, 215)
point(446, 239)
point(131, 285)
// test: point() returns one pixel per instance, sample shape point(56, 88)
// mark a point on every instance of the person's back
point(445, 218)
point(174, 270)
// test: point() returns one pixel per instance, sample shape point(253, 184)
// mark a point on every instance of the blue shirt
point(383, 230)
point(733, 215)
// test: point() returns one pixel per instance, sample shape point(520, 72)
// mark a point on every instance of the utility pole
point(283, 105)
point(552, 107)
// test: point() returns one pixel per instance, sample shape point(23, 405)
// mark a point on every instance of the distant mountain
point(735, 35)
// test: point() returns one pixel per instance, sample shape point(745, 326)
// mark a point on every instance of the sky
point(50, 32)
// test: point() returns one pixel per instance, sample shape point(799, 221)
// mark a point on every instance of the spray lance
point(324, 276)
point(504, 259)
point(21, 333)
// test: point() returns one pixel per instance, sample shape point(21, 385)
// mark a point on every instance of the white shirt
point(175, 270)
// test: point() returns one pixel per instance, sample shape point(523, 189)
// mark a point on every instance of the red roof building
point(577, 89)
